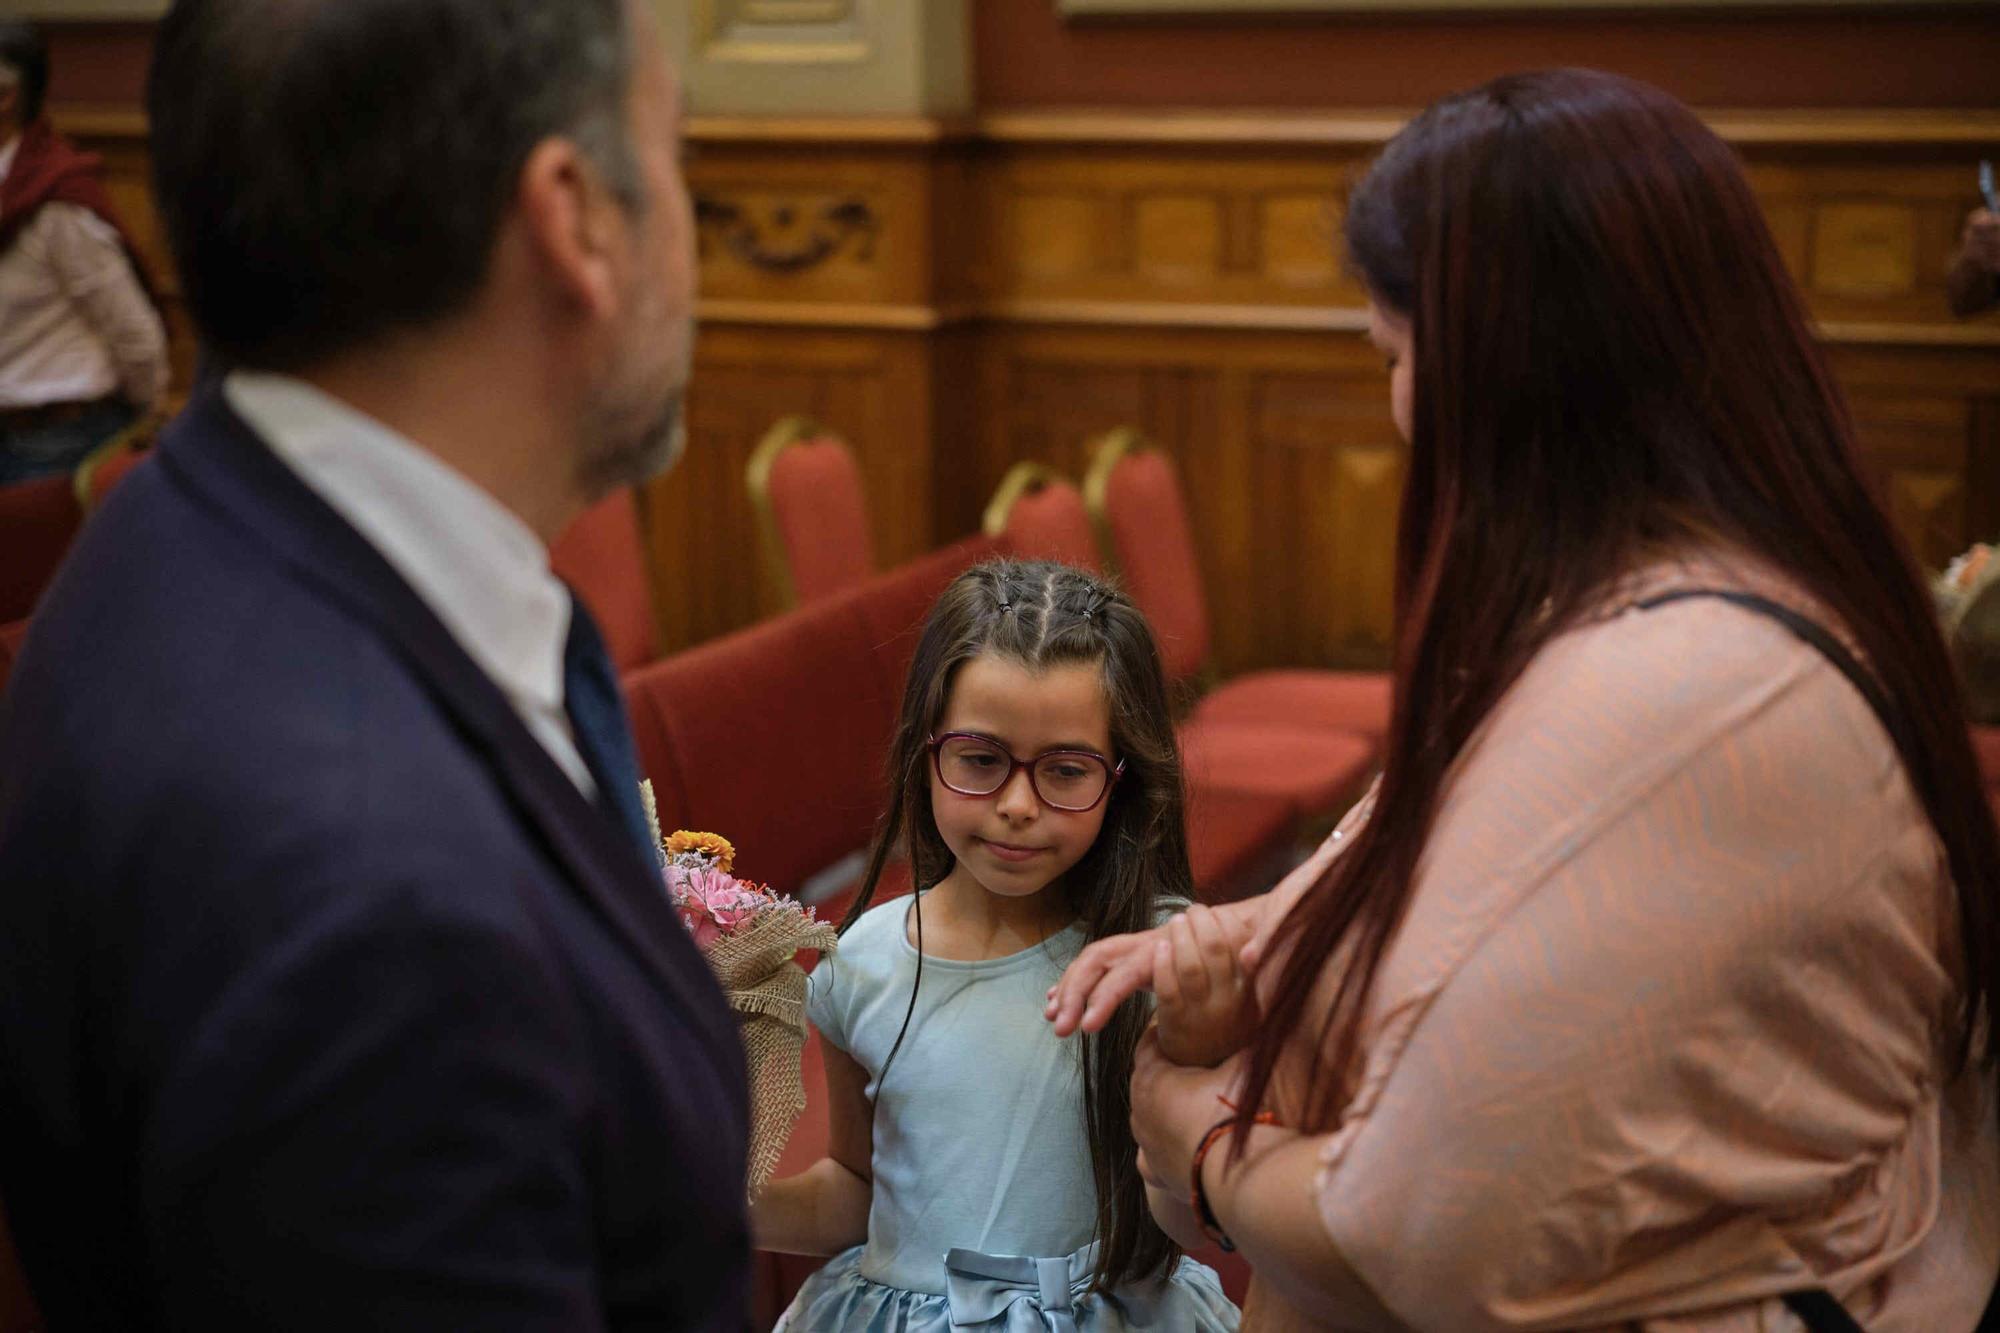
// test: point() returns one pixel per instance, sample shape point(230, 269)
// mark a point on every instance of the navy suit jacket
point(326, 1000)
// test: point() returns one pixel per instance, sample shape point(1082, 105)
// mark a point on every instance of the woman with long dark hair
point(1653, 988)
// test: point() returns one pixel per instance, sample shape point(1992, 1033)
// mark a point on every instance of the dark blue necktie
point(597, 717)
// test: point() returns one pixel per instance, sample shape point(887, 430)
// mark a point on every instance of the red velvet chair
point(38, 520)
point(773, 737)
point(603, 556)
point(812, 512)
point(1136, 502)
point(1038, 515)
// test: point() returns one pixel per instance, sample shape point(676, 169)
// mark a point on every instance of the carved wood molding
point(785, 238)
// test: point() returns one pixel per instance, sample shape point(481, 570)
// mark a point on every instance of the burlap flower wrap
point(767, 988)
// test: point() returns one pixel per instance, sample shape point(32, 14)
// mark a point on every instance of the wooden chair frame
point(757, 478)
point(134, 437)
point(1107, 451)
point(1021, 481)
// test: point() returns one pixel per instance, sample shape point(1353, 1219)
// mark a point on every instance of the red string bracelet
point(1205, 1215)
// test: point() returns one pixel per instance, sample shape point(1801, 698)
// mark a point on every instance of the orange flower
point(712, 845)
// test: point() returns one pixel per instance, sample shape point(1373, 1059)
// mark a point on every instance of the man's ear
point(573, 225)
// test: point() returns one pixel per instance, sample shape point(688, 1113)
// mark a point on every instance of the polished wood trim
point(1968, 127)
point(1269, 318)
point(100, 122)
point(1913, 128)
point(1973, 333)
point(1367, 128)
point(884, 130)
point(834, 314)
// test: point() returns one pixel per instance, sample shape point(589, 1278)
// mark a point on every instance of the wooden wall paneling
point(1927, 423)
point(1191, 224)
point(870, 387)
point(1868, 240)
point(1012, 287)
point(1284, 444)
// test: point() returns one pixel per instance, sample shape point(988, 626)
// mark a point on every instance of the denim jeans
point(46, 450)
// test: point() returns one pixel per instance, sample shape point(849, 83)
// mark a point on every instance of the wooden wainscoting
point(954, 296)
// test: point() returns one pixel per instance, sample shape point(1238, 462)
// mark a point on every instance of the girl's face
point(1390, 333)
point(1010, 842)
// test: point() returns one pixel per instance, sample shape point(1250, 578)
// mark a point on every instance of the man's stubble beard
point(632, 432)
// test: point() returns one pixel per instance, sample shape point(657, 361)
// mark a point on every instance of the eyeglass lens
point(1064, 780)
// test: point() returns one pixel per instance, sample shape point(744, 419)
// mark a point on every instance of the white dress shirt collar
point(480, 569)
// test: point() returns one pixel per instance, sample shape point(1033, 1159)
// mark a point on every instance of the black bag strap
point(1816, 1308)
point(1815, 635)
point(1821, 1313)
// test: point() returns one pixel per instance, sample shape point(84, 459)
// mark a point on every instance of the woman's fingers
point(1217, 957)
point(1166, 979)
point(1104, 976)
point(1189, 969)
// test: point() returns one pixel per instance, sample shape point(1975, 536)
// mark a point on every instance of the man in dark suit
point(337, 984)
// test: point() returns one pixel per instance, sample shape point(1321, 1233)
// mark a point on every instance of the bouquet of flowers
point(751, 937)
point(1968, 600)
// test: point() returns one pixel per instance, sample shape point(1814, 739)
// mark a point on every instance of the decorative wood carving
point(789, 238)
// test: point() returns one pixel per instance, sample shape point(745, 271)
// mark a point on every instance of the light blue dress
point(983, 1209)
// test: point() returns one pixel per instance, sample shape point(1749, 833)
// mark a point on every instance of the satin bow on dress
point(1027, 1295)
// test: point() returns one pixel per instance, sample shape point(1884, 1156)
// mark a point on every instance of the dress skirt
point(1009, 1294)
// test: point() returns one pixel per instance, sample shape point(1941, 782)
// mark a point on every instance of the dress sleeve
point(1659, 1027)
point(826, 1001)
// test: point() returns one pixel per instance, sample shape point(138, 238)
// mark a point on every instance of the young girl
point(981, 1172)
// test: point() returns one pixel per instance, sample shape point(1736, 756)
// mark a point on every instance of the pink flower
point(713, 904)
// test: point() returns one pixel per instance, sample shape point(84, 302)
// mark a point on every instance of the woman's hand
point(1207, 1006)
point(1172, 1107)
point(1113, 970)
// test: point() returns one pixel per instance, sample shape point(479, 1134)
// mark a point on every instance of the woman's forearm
point(822, 1210)
point(1176, 1218)
point(1267, 1203)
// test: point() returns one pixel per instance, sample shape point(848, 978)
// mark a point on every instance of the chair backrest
point(812, 511)
point(1039, 515)
point(1135, 500)
point(773, 737)
point(603, 556)
point(38, 520)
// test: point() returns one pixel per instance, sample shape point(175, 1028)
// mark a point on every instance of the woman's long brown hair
point(1610, 359)
point(1041, 616)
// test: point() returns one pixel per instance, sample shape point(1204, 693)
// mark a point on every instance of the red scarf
point(48, 169)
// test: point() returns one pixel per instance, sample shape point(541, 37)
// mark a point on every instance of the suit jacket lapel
point(215, 454)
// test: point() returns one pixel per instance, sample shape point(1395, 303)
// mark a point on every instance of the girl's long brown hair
point(1040, 616)
point(1610, 359)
